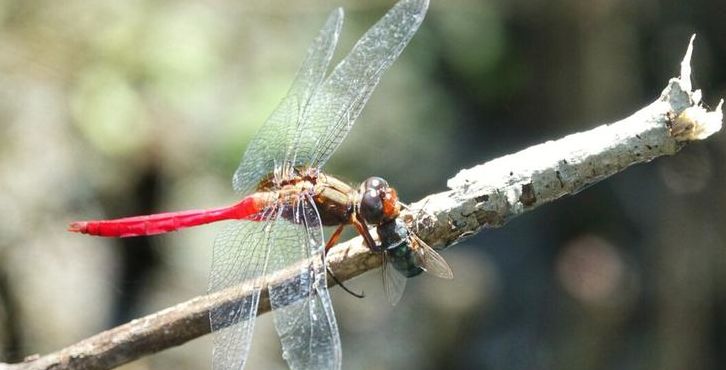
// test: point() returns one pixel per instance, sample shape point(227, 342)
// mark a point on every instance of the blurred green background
point(115, 108)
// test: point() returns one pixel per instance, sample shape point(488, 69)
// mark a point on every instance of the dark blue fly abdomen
point(395, 242)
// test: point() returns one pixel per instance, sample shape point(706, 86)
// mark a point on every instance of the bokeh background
point(115, 108)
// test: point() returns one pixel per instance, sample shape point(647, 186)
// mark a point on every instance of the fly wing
point(430, 260)
point(240, 257)
point(340, 99)
point(394, 283)
point(273, 144)
point(303, 311)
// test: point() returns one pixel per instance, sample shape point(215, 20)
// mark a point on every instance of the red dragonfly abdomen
point(161, 223)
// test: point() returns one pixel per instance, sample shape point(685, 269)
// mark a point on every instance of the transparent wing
point(340, 99)
point(430, 260)
point(394, 283)
point(273, 144)
point(303, 311)
point(240, 256)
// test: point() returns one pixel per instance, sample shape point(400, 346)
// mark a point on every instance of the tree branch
point(488, 195)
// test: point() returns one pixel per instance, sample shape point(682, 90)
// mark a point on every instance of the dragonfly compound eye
point(379, 202)
point(375, 183)
point(371, 207)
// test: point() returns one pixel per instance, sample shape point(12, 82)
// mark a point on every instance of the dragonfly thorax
point(335, 200)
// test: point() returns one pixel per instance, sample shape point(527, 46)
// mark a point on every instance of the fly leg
point(334, 239)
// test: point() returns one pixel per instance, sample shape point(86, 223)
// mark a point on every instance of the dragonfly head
point(378, 201)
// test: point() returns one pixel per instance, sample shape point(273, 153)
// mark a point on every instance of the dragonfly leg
point(334, 238)
point(340, 283)
point(360, 225)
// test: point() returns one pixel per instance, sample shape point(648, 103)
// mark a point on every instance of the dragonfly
point(288, 200)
